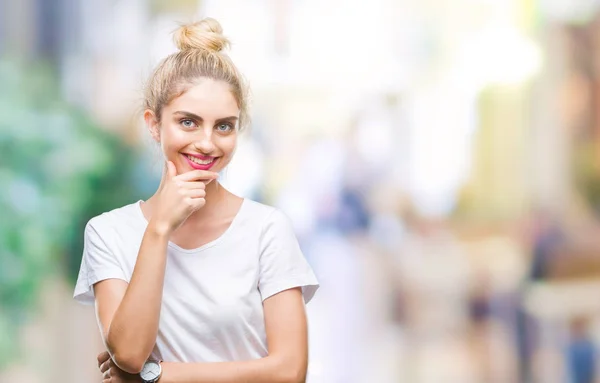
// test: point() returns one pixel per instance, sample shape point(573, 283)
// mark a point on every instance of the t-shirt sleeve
point(98, 263)
point(282, 264)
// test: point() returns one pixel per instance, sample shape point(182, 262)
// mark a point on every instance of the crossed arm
point(129, 330)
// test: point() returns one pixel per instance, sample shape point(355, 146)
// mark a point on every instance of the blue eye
point(225, 128)
point(187, 123)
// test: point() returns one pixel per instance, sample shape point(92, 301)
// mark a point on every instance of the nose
point(204, 142)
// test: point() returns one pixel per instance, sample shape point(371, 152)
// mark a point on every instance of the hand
point(113, 374)
point(180, 196)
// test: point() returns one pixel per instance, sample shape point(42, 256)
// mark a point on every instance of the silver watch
point(151, 371)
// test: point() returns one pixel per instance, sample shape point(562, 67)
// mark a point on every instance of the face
point(198, 129)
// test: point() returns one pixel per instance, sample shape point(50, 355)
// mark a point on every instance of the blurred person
point(546, 235)
point(197, 283)
point(581, 353)
point(491, 350)
point(330, 213)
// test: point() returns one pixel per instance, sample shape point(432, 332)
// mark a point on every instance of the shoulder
point(273, 226)
point(119, 218)
point(265, 215)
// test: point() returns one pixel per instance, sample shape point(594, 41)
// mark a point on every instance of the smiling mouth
point(199, 161)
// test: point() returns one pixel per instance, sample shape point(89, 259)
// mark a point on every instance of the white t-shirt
point(212, 298)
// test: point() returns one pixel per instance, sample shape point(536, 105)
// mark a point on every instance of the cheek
point(171, 139)
point(230, 146)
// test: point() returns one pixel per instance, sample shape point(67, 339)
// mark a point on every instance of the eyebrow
point(198, 118)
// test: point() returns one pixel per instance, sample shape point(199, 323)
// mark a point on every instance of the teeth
point(199, 161)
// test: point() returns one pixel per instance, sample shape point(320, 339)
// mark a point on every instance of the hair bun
point(205, 34)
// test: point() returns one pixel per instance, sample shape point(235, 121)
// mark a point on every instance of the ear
point(152, 124)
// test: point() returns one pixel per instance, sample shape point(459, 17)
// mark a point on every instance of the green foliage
point(57, 169)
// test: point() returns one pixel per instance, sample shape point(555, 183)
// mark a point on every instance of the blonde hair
point(200, 55)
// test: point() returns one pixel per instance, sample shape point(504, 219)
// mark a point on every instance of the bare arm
point(128, 314)
point(287, 339)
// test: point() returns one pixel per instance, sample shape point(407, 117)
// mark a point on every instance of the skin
point(190, 208)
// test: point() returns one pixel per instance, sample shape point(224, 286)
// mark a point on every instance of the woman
point(197, 284)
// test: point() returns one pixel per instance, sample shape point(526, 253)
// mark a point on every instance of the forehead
point(207, 98)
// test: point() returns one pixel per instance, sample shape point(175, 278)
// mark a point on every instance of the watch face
point(150, 372)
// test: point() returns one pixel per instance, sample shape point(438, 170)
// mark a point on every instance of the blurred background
point(440, 160)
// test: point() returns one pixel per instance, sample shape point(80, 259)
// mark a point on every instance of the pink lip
point(198, 166)
point(199, 156)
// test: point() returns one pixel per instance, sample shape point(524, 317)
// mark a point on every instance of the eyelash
point(182, 121)
point(229, 126)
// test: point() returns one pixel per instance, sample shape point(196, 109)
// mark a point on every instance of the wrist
point(164, 376)
point(159, 228)
point(151, 372)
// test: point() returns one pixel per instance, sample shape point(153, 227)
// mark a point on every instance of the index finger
point(194, 175)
